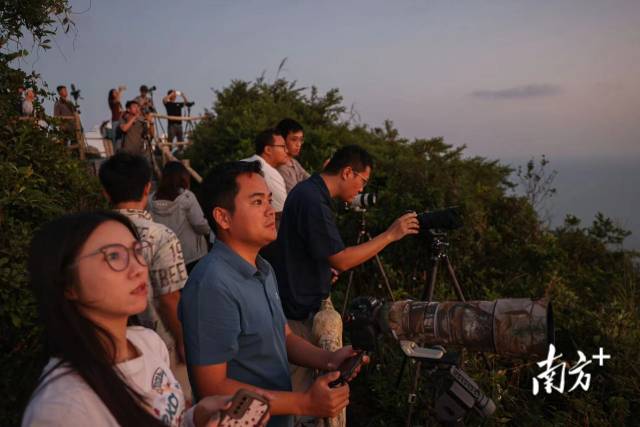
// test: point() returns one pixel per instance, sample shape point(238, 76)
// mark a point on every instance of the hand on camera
point(324, 401)
point(406, 224)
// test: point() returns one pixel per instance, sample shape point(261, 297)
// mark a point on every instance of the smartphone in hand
point(247, 409)
point(347, 368)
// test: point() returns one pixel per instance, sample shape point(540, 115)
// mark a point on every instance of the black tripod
point(438, 244)
point(362, 235)
point(188, 126)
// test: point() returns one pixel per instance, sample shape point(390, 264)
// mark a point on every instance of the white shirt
point(66, 400)
point(275, 182)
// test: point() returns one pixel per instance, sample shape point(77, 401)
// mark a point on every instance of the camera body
point(75, 92)
point(462, 394)
point(441, 219)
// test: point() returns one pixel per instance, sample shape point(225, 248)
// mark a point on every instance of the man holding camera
point(174, 127)
point(236, 335)
point(309, 245)
point(134, 127)
point(145, 101)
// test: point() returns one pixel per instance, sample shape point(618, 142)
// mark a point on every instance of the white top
point(66, 400)
point(275, 181)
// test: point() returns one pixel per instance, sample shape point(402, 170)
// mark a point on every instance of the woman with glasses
point(89, 276)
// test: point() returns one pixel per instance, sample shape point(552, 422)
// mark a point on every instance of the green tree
point(39, 180)
point(503, 250)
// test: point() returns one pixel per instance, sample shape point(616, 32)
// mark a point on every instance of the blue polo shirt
point(231, 312)
point(307, 237)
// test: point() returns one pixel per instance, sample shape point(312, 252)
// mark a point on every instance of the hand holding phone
point(347, 369)
point(247, 409)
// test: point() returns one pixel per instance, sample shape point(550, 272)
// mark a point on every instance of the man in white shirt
point(271, 152)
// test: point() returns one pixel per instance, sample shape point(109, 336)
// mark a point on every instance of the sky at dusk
point(510, 79)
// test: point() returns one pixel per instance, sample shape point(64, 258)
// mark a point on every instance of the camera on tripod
point(151, 88)
point(75, 92)
point(441, 219)
point(509, 327)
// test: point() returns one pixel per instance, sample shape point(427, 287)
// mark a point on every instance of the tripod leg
point(454, 279)
point(382, 272)
point(346, 295)
point(428, 291)
point(412, 397)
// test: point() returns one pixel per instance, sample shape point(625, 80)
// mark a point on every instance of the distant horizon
point(510, 80)
point(586, 186)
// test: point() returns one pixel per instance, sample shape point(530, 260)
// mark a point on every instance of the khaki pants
point(302, 378)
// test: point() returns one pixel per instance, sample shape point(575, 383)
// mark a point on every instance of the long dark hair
point(79, 343)
point(174, 178)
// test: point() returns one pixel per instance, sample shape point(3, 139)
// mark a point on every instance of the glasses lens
point(142, 251)
point(117, 257)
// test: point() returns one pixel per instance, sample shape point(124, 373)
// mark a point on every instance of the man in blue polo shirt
point(236, 335)
point(309, 245)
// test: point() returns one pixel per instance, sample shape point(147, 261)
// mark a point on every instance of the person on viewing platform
point(63, 107)
point(27, 108)
point(174, 127)
point(175, 206)
point(292, 171)
point(236, 335)
point(271, 152)
point(116, 113)
point(126, 180)
point(89, 275)
point(134, 127)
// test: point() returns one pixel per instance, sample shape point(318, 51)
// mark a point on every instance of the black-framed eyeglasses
point(365, 181)
point(117, 255)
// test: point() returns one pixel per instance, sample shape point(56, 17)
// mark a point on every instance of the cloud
point(519, 92)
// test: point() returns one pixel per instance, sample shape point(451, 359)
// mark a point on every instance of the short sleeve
point(318, 228)
point(211, 323)
point(167, 270)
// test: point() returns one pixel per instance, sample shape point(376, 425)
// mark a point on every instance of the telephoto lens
point(363, 201)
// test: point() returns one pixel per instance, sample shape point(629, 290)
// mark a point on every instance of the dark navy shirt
point(307, 237)
point(231, 312)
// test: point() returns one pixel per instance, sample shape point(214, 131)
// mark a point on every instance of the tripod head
point(438, 242)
